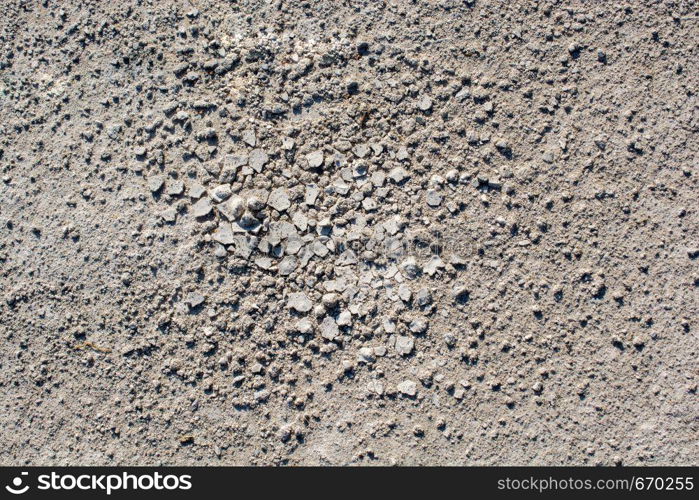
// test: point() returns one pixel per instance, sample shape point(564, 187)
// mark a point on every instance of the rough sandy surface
point(447, 232)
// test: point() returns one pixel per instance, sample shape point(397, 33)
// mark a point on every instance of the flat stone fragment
point(293, 245)
point(404, 292)
point(378, 178)
point(407, 387)
point(194, 299)
point(242, 246)
point(347, 258)
point(300, 302)
point(345, 318)
point(232, 209)
point(223, 234)
point(300, 221)
point(175, 188)
point(369, 204)
point(312, 192)
point(169, 214)
point(282, 230)
point(404, 345)
point(423, 297)
point(329, 329)
point(433, 265)
point(257, 160)
point(155, 183)
point(304, 326)
point(424, 104)
point(361, 150)
point(375, 387)
point(315, 159)
point(279, 200)
point(202, 208)
point(320, 249)
point(196, 190)
point(221, 193)
point(235, 161)
point(288, 265)
point(264, 263)
point(434, 199)
point(418, 326)
point(398, 174)
point(249, 137)
point(389, 326)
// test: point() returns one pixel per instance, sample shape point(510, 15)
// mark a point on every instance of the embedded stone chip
point(202, 208)
point(257, 160)
point(221, 193)
point(223, 234)
point(300, 302)
point(404, 345)
point(329, 329)
point(279, 200)
point(408, 388)
point(315, 159)
point(232, 209)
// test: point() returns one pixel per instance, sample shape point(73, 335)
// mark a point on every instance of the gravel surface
point(367, 232)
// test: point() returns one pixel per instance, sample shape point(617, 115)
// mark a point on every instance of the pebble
point(398, 174)
point(408, 388)
point(404, 292)
point(300, 302)
point(194, 299)
point(202, 208)
point(344, 319)
point(233, 209)
point(410, 268)
point(375, 387)
point(257, 160)
point(169, 214)
point(402, 154)
point(418, 326)
point(312, 192)
point(255, 204)
point(155, 183)
point(221, 193)
point(423, 297)
point(288, 265)
point(288, 143)
point(404, 345)
point(249, 138)
point(279, 200)
point(304, 326)
point(329, 329)
point(366, 355)
point(223, 234)
point(315, 159)
point(196, 190)
point(425, 104)
point(434, 199)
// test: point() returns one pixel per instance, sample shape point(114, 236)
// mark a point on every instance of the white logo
point(17, 482)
